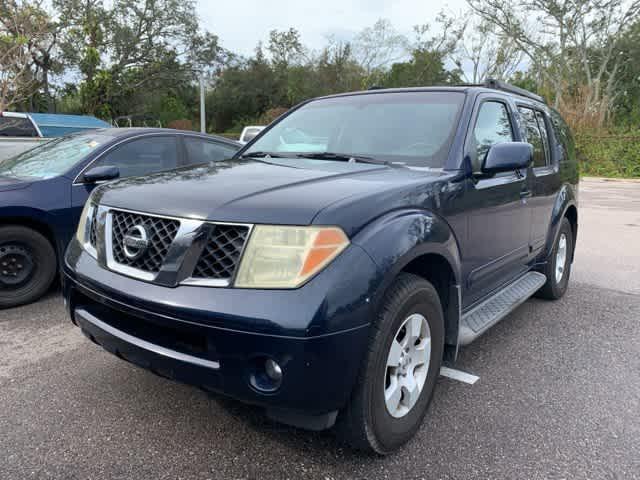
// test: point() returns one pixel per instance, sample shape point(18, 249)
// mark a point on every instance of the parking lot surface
point(558, 395)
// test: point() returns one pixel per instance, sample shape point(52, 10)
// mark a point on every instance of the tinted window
point(204, 151)
point(53, 158)
point(542, 124)
point(143, 156)
point(414, 128)
point(532, 135)
point(17, 127)
point(492, 126)
point(563, 137)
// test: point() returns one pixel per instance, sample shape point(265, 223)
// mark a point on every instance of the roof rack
point(506, 87)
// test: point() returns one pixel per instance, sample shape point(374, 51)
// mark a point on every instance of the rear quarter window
point(564, 138)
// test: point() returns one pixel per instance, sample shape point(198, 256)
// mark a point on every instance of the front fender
point(399, 237)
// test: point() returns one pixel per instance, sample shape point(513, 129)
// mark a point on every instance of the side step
point(482, 317)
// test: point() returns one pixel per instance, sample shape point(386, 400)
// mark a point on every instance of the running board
point(482, 317)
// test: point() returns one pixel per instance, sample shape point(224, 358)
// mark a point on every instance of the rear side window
point(534, 136)
point(143, 156)
point(17, 127)
point(564, 138)
point(204, 151)
point(492, 126)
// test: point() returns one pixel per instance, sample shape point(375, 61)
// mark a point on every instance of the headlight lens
point(81, 233)
point(286, 257)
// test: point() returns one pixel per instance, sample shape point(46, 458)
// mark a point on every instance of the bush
point(609, 155)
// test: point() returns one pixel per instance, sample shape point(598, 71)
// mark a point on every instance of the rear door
point(497, 244)
point(545, 180)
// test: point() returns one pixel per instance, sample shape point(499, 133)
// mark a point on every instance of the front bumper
point(213, 337)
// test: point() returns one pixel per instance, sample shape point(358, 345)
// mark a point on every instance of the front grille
point(222, 252)
point(161, 232)
point(93, 228)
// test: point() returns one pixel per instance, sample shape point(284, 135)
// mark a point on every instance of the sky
point(241, 24)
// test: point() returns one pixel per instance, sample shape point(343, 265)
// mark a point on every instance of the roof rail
point(506, 87)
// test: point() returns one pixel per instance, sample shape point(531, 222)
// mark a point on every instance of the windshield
point(52, 158)
point(413, 128)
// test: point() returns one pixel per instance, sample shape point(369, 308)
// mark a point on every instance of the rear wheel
point(27, 265)
point(558, 268)
point(399, 373)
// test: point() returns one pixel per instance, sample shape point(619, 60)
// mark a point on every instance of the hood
point(281, 191)
point(11, 183)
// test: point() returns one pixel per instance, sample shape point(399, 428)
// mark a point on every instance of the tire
point(27, 265)
point(366, 423)
point(555, 288)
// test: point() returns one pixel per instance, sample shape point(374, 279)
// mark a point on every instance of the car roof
point(135, 131)
point(467, 89)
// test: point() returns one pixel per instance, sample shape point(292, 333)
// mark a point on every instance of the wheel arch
point(572, 215)
point(565, 205)
point(39, 225)
point(422, 243)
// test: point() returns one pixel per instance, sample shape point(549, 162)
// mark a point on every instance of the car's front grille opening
point(220, 257)
point(185, 339)
point(160, 231)
point(93, 228)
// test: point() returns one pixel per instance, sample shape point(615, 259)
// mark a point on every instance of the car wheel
point(399, 372)
point(558, 268)
point(27, 265)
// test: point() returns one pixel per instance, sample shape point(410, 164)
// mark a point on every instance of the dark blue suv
point(328, 269)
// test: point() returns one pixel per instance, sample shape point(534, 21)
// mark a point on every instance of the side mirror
point(505, 157)
point(101, 174)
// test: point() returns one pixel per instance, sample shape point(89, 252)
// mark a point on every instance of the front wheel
point(27, 265)
point(558, 268)
point(399, 373)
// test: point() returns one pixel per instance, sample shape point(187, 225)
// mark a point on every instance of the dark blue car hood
point(281, 191)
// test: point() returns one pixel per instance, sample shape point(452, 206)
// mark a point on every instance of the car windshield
point(413, 128)
point(52, 158)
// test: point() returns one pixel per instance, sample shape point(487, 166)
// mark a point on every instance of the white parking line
point(458, 375)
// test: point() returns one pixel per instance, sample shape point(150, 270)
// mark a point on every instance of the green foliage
point(616, 154)
point(172, 109)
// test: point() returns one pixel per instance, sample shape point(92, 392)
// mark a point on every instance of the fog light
point(265, 375)
point(274, 372)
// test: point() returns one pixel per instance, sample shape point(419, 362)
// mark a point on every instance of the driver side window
point(143, 156)
point(493, 125)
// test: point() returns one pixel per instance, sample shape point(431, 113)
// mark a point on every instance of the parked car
point(22, 131)
point(43, 190)
point(329, 269)
point(249, 133)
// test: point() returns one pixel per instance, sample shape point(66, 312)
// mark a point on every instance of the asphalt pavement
point(558, 395)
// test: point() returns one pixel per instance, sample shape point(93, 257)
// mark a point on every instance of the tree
point(571, 45)
point(481, 54)
point(376, 48)
point(27, 36)
point(628, 86)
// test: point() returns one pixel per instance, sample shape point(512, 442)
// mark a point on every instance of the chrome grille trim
point(185, 251)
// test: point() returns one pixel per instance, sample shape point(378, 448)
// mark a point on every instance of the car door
point(133, 157)
point(545, 180)
point(201, 150)
point(497, 244)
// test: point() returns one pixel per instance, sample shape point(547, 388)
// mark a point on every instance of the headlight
point(81, 233)
point(286, 257)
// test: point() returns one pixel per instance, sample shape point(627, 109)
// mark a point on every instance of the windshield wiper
point(342, 157)
point(261, 155)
